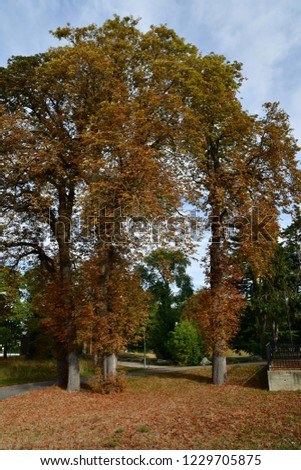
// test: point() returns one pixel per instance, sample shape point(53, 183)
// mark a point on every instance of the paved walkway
point(13, 390)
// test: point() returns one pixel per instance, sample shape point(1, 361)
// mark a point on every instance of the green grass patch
point(15, 370)
point(144, 428)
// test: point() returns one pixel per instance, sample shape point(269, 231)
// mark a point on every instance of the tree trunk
point(61, 226)
point(219, 369)
point(62, 366)
point(69, 360)
point(73, 372)
point(109, 359)
point(275, 332)
point(109, 366)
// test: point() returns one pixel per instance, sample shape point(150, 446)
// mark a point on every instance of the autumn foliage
point(116, 313)
point(117, 126)
point(164, 411)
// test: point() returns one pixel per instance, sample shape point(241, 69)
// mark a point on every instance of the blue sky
point(265, 35)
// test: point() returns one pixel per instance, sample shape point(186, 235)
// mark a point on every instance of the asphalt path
point(14, 390)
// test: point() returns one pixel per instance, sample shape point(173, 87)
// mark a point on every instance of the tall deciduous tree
point(116, 118)
point(90, 125)
point(244, 171)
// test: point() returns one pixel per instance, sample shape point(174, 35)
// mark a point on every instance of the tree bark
point(62, 366)
point(275, 331)
point(109, 366)
point(62, 230)
point(219, 369)
point(219, 366)
point(109, 359)
point(73, 372)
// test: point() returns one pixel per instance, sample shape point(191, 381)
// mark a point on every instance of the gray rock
point(205, 362)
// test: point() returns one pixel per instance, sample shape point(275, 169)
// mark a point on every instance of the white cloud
point(260, 34)
point(25, 25)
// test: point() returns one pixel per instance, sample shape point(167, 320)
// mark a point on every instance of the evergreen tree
point(164, 276)
point(274, 301)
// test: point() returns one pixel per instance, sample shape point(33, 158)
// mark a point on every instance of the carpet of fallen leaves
point(167, 411)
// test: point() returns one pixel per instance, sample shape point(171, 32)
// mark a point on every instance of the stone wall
point(284, 380)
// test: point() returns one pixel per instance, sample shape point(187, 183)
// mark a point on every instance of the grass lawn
point(168, 411)
point(15, 370)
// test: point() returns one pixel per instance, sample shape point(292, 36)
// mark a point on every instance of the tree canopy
point(116, 126)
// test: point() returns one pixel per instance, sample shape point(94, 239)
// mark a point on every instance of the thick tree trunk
point(69, 357)
point(73, 372)
point(109, 366)
point(62, 373)
point(109, 360)
point(62, 366)
point(219, 369)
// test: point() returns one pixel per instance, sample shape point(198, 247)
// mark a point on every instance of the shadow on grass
point(258, 380)
point(255, 377)
point(248, 377)
point(86, 387)
point(180, 375)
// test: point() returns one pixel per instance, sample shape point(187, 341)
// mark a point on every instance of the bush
point(185, 344)
point(113, 384)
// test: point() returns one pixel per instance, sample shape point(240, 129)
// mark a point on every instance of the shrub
point(113, 384)
point(185, 344)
